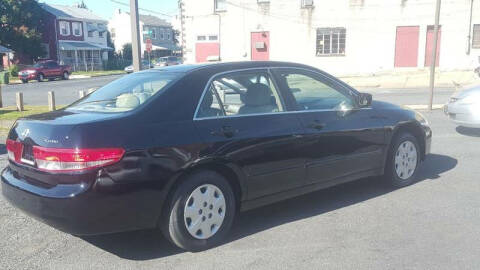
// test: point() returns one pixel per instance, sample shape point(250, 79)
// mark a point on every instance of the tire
point(177, 219)
point(403, 160)
point(24, 81)
point(65, 76)
point(40, 77)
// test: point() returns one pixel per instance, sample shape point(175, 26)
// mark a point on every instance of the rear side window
point(127, 93)
point(240, 93)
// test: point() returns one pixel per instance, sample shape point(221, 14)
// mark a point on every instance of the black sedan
point(184, 148)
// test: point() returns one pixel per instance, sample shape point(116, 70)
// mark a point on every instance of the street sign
point(148, 44)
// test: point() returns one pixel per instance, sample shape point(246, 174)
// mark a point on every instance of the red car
point(45, 70)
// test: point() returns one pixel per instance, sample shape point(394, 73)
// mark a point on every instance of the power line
point(142, 9)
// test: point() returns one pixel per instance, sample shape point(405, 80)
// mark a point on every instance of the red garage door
point(406, 46)
point(429, 45)
point(205, 49)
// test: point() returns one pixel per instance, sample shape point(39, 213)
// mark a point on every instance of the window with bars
point(476, 36)
point(331, 41)
point(220, 5)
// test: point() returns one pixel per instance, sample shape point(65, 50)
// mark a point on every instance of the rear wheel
point(403, 160)
point(40, 77)
point(200, 213)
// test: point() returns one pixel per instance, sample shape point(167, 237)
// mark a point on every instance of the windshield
point(125, 94)
point(39, 65)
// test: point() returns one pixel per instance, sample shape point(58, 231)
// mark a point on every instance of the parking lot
point(433, 224)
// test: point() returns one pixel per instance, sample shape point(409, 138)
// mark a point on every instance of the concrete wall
point(370, 31)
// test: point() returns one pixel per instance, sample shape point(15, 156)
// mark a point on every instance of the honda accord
point(184, 148)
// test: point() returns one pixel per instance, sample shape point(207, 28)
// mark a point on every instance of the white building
point(161, 33)
point(341, 37)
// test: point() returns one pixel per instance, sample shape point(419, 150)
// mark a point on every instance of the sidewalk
point(413, 79)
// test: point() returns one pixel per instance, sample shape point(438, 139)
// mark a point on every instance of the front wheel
point(66, 76)
point(24, 81)
point(403, 160)
point(200, 213)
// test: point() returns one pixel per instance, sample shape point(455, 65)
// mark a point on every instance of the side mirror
point(364, 100)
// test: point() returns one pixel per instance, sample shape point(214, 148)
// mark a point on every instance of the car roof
point(228, 66)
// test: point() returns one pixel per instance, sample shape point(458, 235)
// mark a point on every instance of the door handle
point(225, 131)
point(316, 125)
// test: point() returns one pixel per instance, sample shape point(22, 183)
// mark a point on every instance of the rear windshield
point(126, 93)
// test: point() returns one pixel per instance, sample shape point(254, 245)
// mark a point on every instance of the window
point(52, 64)
point(476, 36)
point(127, 93)
point(314, 93)
point(64, 28)
point(112, 32)
point(162, 34)
point(100, 34)
point(90, 33)
point(240, 93)
point(307, 3)
point(168, 34)
point(201, 38)
point(213, 38)
point(153, 33)
point(331, 41)
point(77, 29)
point(220, 5)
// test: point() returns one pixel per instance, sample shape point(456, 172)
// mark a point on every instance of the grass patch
point(98, 73)
point(11, 114)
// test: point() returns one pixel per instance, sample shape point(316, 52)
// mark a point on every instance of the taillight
point(14, 150)
point(64, 160)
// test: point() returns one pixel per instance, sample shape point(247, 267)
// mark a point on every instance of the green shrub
point(13, 70)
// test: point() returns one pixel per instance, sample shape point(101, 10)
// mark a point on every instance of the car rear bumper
point(82, 209)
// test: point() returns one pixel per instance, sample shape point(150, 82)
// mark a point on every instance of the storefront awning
point(80, 46)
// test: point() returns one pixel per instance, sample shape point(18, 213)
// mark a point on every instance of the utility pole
point(136, 55)
point(434, 54)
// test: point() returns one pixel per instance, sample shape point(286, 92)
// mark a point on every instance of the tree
point(176, 35)
point(20, 24)
point(82, 5)
point(127, 51)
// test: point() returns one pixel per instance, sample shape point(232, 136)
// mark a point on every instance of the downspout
point(469, 37)
point(56, 39)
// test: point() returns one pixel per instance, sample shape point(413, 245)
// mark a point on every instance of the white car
point(463, 108)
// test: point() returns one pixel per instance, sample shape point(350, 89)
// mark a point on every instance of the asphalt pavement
point(432, 224)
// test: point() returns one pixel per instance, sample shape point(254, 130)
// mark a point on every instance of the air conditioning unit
point(307, 3)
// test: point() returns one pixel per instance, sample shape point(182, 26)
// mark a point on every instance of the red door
point(203, 50)
point(429, 46)
point(260, 46)
point(406, 46)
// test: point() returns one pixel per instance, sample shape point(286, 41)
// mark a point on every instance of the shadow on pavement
point(149, 244)
point(473, 132)
point(3, 149)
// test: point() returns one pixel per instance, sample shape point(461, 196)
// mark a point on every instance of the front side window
point(64, 28)
point(127, 93)
point(77, 29)
point(240, 93)
point(331, 41)
point(313, 93)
